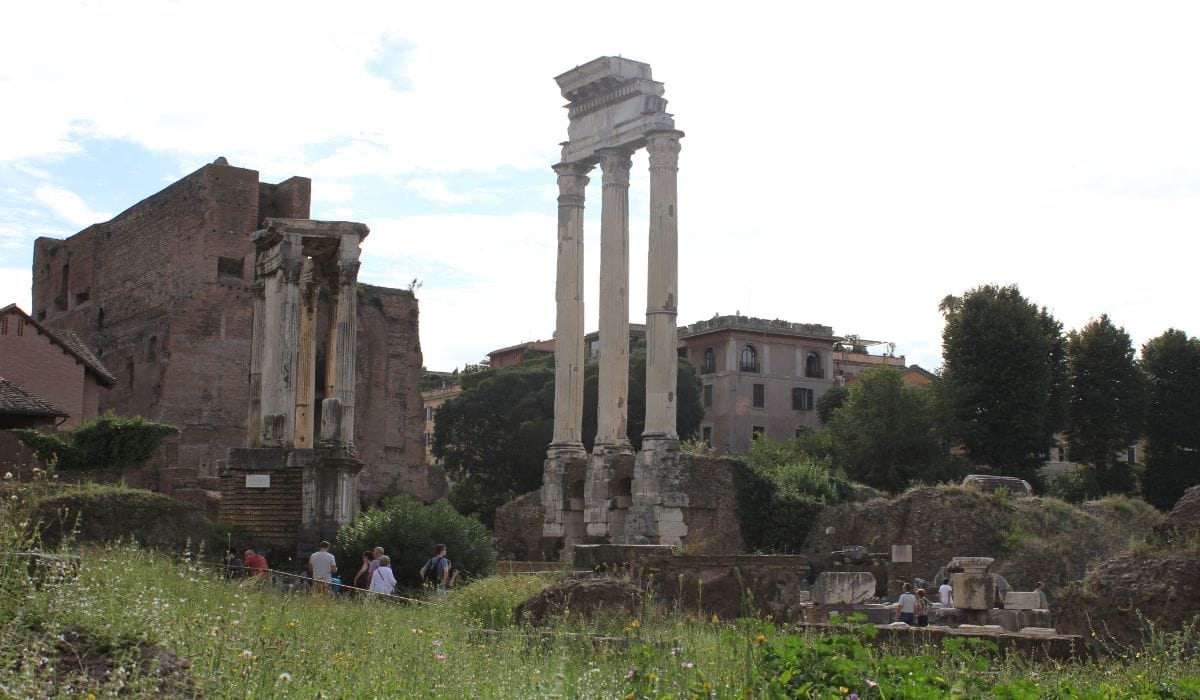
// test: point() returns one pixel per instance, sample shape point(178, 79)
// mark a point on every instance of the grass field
point(92, 635)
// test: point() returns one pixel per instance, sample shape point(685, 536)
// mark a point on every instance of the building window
point(708, 395)
point(230, 268)
point(429, 413)
point(706, 435)
point(3, 325)
point(20, 326)
point(760, 395)
point(429, 441)
point(710, 361)
point(757, 430)
point(802, 399)
point(749, 359)
point(812, 365)
point(1132, 456)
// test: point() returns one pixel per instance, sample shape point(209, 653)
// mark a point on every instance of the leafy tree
point(885, 435)
point(1107, 404)
point(492, 437)
point(830, 402)
point(1172, 365)
point(408, 531)
point(1004, 378)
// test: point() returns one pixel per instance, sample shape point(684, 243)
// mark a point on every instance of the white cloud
point(68, 206)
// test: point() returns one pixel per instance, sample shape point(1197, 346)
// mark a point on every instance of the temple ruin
point(612, 495)
point(296, 260)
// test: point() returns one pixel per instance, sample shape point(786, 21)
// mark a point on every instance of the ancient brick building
point(162, 292)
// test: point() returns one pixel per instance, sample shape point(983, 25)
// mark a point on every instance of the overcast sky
point(845, 163)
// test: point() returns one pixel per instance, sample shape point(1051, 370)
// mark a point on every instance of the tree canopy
point(1107, 404)
point(1004, 380)
point(885, 434)
point(1172, 460)
point(492, 438)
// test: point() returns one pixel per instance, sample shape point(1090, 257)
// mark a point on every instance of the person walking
point(256, 564)
point(946, 593)
point(436, 571)
point(364, 571)
point(383, 580)
point(923, 606)
point(906, 606)
point(377, 554)
point(321, 567)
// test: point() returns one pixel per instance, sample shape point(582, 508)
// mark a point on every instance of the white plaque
point(258, 481)
point(902, 553)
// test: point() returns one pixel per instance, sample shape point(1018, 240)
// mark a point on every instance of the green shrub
point(109, 442)
point(1074, 486)
point(489, 602)
point(409, 530)
point(94, 513)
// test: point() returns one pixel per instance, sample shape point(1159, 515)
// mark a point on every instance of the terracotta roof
point(73, 344)
point(14, 399)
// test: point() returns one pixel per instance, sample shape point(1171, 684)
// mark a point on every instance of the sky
point(848, 164)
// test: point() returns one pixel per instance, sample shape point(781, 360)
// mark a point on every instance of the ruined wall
point(711, 515)
point(34, 362)
point(162, 293)
point(388, 421)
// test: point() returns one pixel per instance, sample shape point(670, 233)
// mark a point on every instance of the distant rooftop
point(758, 325)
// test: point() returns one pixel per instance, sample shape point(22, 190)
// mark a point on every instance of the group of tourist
point(913, 609)
point(375, 574)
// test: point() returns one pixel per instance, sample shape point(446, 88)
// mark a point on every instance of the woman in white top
point(383, 580)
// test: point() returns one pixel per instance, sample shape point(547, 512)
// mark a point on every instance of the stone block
point(675, 499)
point(973, 592)
point(1022, 600)
point(1014, 620)
point(970, 565)
point(843, 587)
point(1039, 631)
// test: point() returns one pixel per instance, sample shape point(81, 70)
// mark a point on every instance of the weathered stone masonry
point(163, 292)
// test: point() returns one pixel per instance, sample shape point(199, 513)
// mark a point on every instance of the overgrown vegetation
point(782, 488)
point(109, 442)
point(408, 531)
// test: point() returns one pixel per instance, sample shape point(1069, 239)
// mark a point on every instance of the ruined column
point(254, 409)
point(306, 358)
point(612, 432)
point(662, 291)
point(568, 295)
point(281, 325)
point(339, 368)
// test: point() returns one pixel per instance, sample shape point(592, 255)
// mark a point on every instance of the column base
point(659, 442)
point(614, 448)
point(565, 450)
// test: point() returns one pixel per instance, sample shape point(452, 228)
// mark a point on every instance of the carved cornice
point(615, 164)
point(348, 272)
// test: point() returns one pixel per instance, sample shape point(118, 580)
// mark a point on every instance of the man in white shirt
point(946, 593)
point(321, 567)
point(906, 606)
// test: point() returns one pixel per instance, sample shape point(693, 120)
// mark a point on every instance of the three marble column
point(661, 305)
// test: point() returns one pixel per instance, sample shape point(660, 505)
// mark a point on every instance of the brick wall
point(39, 365)
point(272, 514)
point(168, 310)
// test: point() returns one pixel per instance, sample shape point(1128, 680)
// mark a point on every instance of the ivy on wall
point(109, 442)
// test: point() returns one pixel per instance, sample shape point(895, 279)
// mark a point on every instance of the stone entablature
point(750, 323)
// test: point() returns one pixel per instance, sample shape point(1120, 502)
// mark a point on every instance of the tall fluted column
point(568, 295)
point(281, 316)
point(662, 301)
point(306, 362)
point(339, 368)
point(612, 432)
point(254, 410)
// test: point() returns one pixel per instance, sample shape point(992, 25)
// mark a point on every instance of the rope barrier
point(266, 573)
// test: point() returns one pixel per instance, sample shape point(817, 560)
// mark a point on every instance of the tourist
point(436, 571)
point(923, 606)
point(382, 579)
point(906, 606)
point(946, 593)
point(256, 563)
point(364, 571)
point(321, 567)
point(1043, 601)
point(378, 552)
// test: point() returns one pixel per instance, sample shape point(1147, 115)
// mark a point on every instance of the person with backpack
point(436, 571)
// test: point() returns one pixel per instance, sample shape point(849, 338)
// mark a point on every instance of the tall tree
point(1003, 378)
point(1107, 405)
point(884, 434)
point(492, 437)
point(1172, 365)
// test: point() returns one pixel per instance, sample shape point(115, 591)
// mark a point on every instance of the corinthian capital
point(572, 178)
point(615, 164)
point(663, 149)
